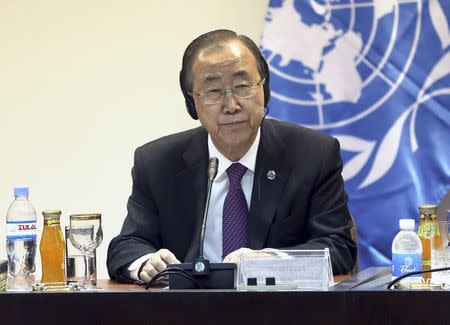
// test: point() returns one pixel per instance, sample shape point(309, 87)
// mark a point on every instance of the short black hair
point(214, 39)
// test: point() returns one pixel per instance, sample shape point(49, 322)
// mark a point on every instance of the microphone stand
point(200, 274)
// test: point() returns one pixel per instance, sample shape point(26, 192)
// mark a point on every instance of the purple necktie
point(235, 212)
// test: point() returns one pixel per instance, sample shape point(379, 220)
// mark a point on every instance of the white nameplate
point(274, 270)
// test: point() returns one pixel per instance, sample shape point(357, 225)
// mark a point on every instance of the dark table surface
point(362, 299)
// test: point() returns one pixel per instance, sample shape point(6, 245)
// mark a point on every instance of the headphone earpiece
point(266, 90)
point(190, 105)
point(189, 101)
point(266, 86)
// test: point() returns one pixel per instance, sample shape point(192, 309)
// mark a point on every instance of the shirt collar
point(248, 160)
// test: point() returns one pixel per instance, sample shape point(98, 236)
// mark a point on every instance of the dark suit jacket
point(304, 207)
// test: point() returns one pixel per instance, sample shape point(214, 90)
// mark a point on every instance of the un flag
point(376, 75)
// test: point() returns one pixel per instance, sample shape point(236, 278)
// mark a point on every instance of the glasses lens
point(244, 91)
point(212, 96)
point(216, 95)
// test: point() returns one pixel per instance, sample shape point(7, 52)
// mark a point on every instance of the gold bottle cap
point(51, 214)
point(428, 208)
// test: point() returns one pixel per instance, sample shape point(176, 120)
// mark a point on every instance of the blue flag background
point(376, 75)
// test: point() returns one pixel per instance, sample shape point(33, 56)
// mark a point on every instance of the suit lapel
point(267, 192)
point(193, 182)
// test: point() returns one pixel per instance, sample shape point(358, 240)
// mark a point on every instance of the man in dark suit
point(290, 190)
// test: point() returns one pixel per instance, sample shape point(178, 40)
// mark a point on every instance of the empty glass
point(440, 252)
point(86, 235)
point(75, 262)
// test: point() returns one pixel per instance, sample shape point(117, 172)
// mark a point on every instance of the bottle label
point(406, 263)
point(21, 230)
point(51, 222)
point(424, 231)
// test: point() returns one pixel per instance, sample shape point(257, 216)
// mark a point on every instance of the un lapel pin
point(271, 175)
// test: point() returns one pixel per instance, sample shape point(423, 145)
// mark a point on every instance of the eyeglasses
point(241, 90)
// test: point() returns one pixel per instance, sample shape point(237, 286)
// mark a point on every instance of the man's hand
point(233, 257)
point(157, 263)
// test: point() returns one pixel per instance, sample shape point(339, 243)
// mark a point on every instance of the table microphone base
point(218, 276)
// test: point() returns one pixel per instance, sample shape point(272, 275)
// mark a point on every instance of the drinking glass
point(75, 262)
point(440, 252)
point(86, 235)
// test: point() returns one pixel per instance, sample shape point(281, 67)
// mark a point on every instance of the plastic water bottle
point(21, 236)
point(406, 252)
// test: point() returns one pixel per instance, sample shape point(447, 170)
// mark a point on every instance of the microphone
point(201, 264)
point(213, 165)
point(200, 273)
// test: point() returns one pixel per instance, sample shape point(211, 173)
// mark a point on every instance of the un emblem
point(336, 63)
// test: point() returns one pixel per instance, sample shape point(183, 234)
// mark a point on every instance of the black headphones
point(190, 104)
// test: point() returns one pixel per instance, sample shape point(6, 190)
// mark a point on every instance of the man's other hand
point(233, 257)
point(156, 263)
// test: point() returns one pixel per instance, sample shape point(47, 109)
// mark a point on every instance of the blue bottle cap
point(21, 191)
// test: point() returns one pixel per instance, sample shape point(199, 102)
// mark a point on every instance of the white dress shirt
point(213, 233)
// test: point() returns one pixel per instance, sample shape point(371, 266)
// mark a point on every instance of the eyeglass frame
point(224, 91)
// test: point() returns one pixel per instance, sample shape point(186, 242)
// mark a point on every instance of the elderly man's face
point(233, 122)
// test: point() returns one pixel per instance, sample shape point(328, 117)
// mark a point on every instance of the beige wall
point(83, 83)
